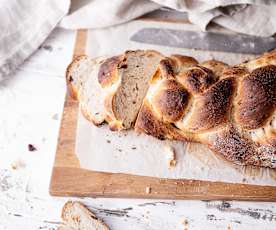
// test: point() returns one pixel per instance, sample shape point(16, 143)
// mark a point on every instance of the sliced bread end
point(78, 217)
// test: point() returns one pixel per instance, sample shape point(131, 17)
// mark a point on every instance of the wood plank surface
point(68, 179)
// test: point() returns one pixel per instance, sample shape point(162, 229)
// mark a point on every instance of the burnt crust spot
point(213, 107)
point(257, 97)
point(107, 68)
point(166, 68)
point(171, 100)
point(122, 66)
point(198, 79)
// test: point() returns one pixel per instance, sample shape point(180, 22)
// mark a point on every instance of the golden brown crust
point(147, 122)
point(213, 107)
point(166, 68)
point(216, 66)
point(108, 70)
point(257, 97)
point(73, 91)
point(235, 71)
point(171, 100)
point(182, 62)
point(197, 79)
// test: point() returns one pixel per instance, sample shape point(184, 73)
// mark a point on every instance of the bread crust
point(74, 93)
point(218, 99)
point(69, 205)
point(230, 109)
point(147, 122)
point(257, 98)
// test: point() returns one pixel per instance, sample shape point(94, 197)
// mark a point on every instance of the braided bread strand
point(230, 109)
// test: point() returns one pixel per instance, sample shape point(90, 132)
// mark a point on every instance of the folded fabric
point(26, 24)
point(254, 17)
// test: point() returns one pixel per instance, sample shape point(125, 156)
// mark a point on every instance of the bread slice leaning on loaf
point(112, 89)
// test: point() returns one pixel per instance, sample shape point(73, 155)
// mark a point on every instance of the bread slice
point(77, 217)
point(112, 89)
point(135, 71)
point(82, 82)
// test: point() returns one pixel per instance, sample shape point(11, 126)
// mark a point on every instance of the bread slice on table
point(77, 217)
point(112, 89)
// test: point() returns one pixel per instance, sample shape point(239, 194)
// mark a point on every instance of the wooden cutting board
point(69, 179)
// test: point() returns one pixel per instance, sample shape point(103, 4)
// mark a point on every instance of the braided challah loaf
point(230, 109)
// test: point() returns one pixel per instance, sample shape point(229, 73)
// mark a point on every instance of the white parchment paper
point(100, 149)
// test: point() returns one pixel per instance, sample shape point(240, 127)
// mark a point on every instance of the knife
point(212, 41)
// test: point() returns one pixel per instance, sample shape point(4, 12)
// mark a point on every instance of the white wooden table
point(31, 103)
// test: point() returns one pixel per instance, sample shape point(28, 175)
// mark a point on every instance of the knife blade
point(211, 41)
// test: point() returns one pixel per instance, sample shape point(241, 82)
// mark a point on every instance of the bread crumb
point(171, 156)
point(18, 164)
point(148, 190)
point(31, 148)
point(185, 223)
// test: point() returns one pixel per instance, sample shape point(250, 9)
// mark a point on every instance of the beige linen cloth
point(25, 24)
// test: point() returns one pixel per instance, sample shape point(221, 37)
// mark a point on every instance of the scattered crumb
point(243, 180)
point(133, 148)
point(185, 223)
point(171, 156)
point(148, 190)
point(31, 148)
point(18, 164)
point(108, 141)
point(120, 150)
point(55, 117)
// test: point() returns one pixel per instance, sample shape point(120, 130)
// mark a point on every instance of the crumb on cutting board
point(171, 156)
